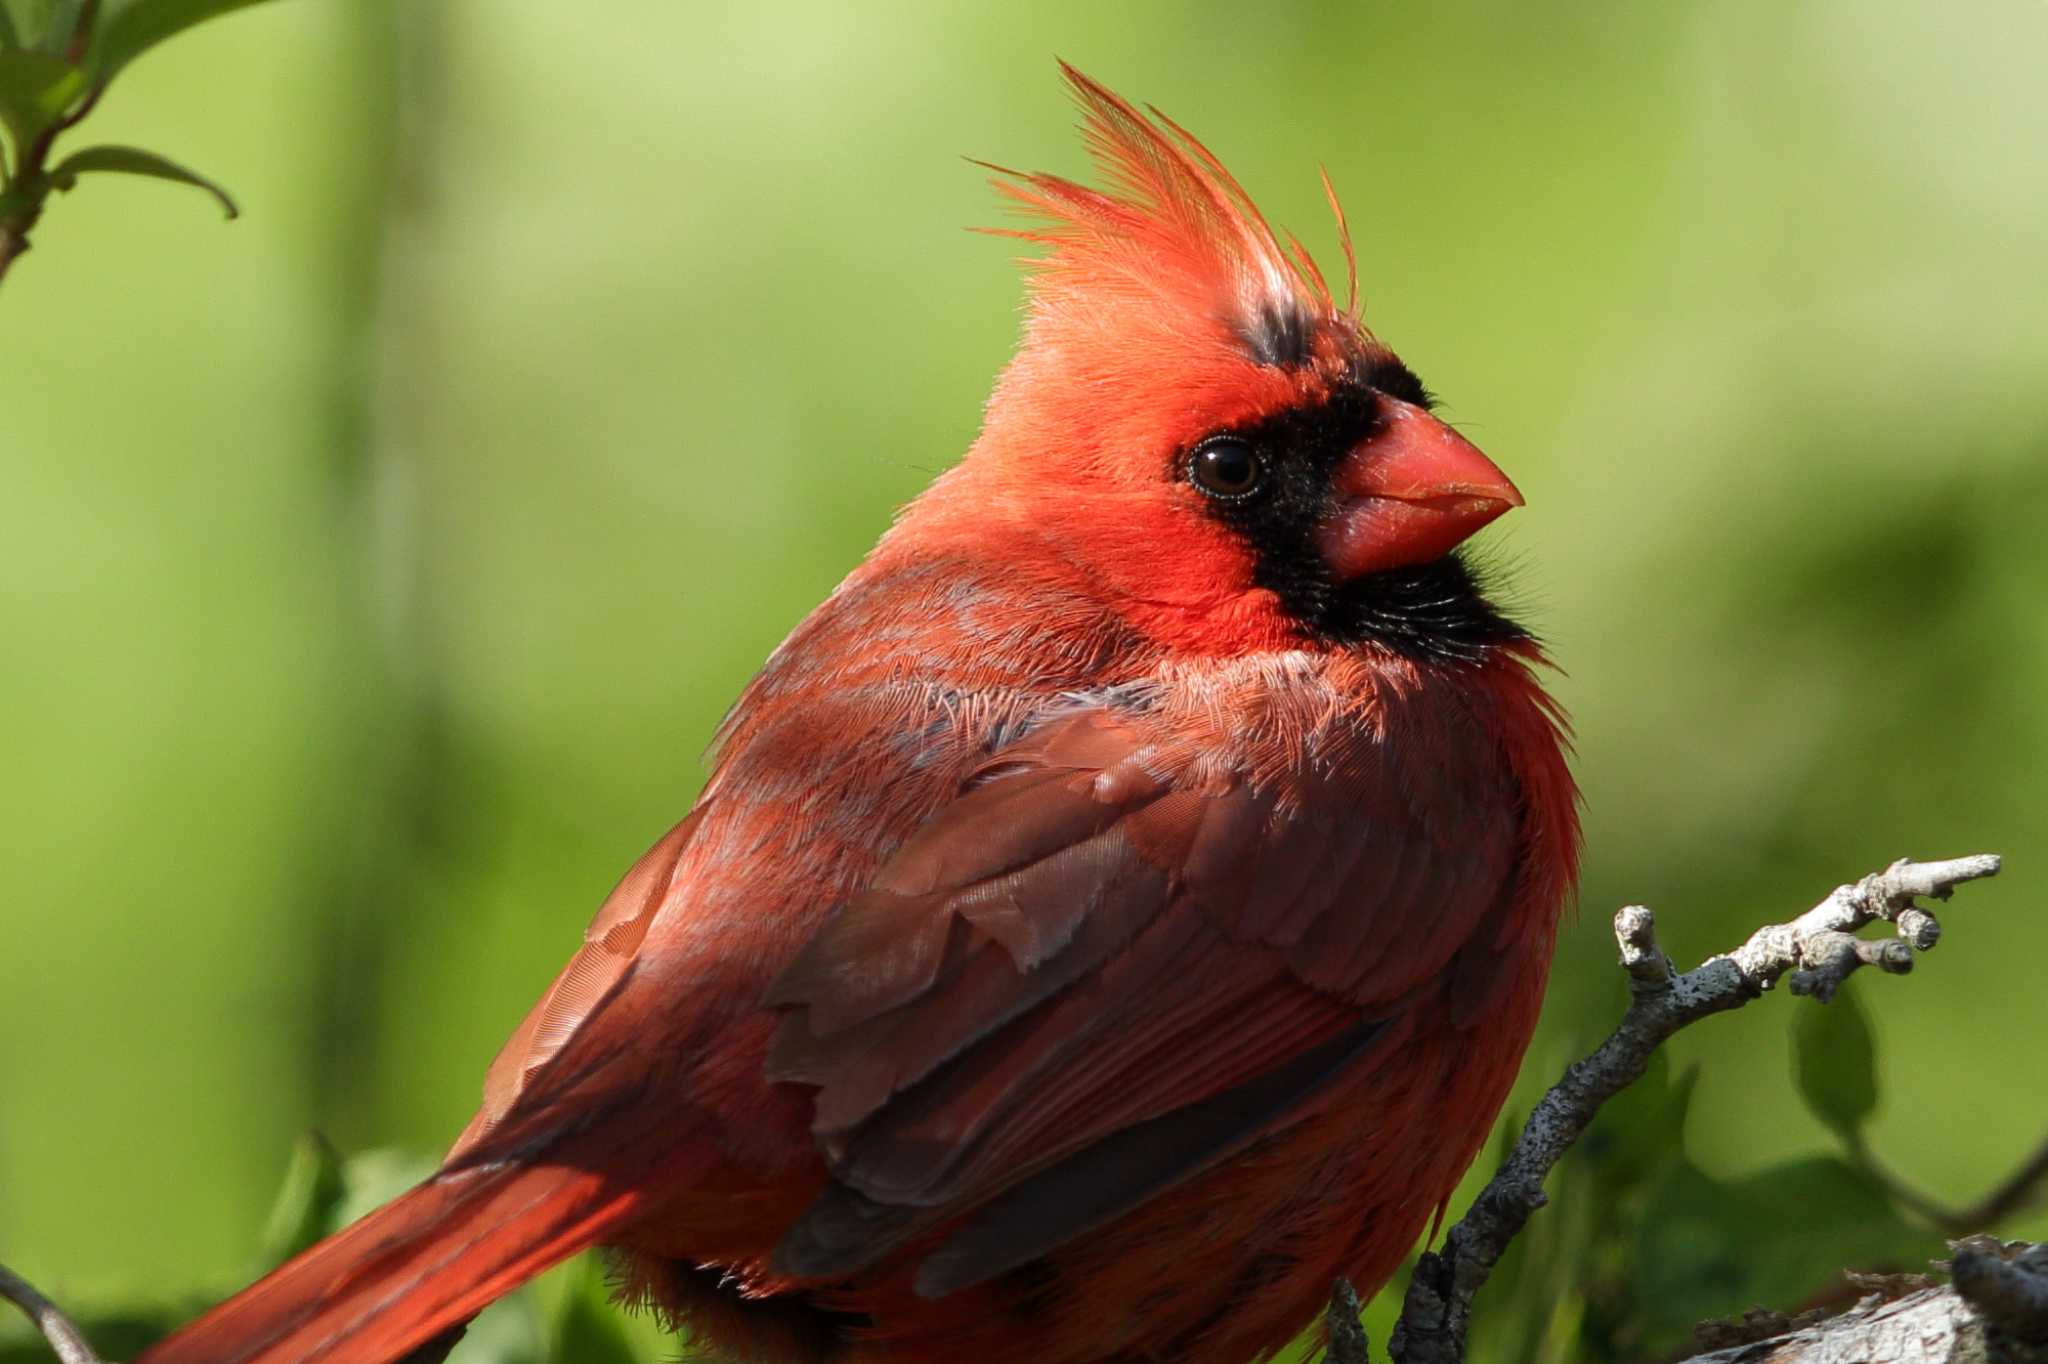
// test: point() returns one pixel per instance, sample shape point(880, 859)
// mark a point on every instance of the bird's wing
point(1104, 967)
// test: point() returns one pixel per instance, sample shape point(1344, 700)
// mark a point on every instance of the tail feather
point(410, 1271)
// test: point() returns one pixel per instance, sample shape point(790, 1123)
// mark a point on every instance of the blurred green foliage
point(377, 567)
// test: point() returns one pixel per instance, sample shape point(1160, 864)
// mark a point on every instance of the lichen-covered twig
point(1813, 953)
point(65, 1339)
point(2007, 1281)
point(1346, 1331)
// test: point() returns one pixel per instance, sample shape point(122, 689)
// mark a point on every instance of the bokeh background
point(374, 569)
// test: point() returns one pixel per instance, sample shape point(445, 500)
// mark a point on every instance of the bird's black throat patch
point(1438, 610)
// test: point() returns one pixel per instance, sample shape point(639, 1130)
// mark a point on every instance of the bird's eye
point(1226, 468)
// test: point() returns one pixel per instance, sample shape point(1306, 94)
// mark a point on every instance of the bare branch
point(1348, 1344)
point(1932, 1326)
point(1818, 950)
point(65, 1338)
point(2007, 1281)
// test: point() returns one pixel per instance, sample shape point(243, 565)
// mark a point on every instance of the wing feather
point(1098, 939)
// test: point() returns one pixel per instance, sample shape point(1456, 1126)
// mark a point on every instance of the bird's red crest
point(1174, 230)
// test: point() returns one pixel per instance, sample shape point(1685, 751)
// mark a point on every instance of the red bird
point(1118, 911)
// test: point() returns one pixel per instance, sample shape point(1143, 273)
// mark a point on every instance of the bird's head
point(1195, 423)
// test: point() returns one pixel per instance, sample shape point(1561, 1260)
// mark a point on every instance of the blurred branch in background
point(2018, 1192)
point(1815, 953)
point(56, 58)
point(64, 1337)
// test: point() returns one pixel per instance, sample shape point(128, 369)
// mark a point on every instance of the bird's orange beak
point(1407, 494)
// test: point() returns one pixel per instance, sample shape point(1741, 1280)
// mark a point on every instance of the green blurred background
point(376, 567)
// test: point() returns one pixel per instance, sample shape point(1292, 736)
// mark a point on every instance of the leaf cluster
point(56, 58)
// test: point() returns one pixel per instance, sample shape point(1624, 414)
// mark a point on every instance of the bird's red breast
point(1118, 911)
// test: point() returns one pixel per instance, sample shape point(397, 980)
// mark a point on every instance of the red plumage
point(1119, 910)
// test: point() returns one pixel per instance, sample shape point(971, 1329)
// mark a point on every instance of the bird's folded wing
point(1105, 966)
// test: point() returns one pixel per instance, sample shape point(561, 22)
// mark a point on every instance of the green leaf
point(1835, 1062)
point(134, 161)
point(1708, 1248)
point(35, 90)
point(129, 28)
point(374, 1178)
point(587, 1328)
point(509, 1331)
point(63, 28)
point(37, 25)
point(307, 1204)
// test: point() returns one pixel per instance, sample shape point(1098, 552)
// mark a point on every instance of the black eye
point(1226, 467)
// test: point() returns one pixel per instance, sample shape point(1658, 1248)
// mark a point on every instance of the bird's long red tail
point(416, 1267)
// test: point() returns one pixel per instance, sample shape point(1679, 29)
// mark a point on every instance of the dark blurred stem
point(28, 185)
point(14, 230)
point(2014, 1194)
point(81, 32)
point(65, 1339)
point(21, 201)
point(2020, 1191)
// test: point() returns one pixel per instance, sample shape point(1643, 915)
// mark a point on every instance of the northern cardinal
point(1118, 911)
